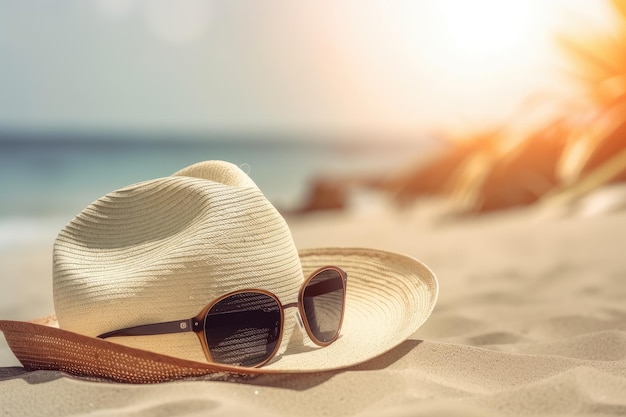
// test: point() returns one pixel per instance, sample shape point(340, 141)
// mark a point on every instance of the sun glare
point(477, 28)
point(477, 59)
point(472, 33)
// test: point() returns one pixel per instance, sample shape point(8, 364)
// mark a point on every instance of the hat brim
point(389, 296)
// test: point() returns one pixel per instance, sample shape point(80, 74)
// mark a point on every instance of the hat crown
point(163, 249)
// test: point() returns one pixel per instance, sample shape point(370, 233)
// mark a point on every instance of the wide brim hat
point(114, 275)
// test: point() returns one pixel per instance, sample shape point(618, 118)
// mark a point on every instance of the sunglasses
point(245, 327)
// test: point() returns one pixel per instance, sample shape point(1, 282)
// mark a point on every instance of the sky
point(383, 68)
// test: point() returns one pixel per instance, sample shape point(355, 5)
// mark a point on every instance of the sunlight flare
point(479, 28)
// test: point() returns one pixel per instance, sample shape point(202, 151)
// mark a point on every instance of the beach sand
point(531, 320)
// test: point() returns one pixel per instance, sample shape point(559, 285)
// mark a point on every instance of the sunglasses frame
point(197, 323)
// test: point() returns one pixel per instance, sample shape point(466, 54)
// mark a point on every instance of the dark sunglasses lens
point(323, 304)
point(243, 329)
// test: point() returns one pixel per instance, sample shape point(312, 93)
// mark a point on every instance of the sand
point(531, 320)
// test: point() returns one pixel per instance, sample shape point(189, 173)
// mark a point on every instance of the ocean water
point(46, 181)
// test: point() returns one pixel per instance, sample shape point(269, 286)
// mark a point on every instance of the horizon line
point(10, 135)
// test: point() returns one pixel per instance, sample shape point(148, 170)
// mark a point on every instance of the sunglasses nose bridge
point(299, 318)
point(304, 332)
point(299, 321)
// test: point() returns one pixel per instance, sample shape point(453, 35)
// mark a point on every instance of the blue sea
point(45, 180)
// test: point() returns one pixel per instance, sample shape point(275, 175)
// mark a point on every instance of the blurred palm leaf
point(448, 172)
point(600, 66)
point(568, 156)
point(620, 8)
point(599, 62)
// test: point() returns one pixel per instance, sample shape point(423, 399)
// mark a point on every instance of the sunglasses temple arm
point(324, 287)
point(177, 326)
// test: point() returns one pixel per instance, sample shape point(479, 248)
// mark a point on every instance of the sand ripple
point(531, 321)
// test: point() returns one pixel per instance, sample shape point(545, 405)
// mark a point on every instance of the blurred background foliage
point(576, 151)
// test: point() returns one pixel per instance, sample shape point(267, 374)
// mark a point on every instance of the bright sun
point(467, 57)
point(472, 32)
point(480, 27)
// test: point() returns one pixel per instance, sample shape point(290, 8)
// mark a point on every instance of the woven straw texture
point(163, 249)
point(389, 297)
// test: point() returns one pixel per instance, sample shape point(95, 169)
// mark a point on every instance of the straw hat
point(163, 249)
